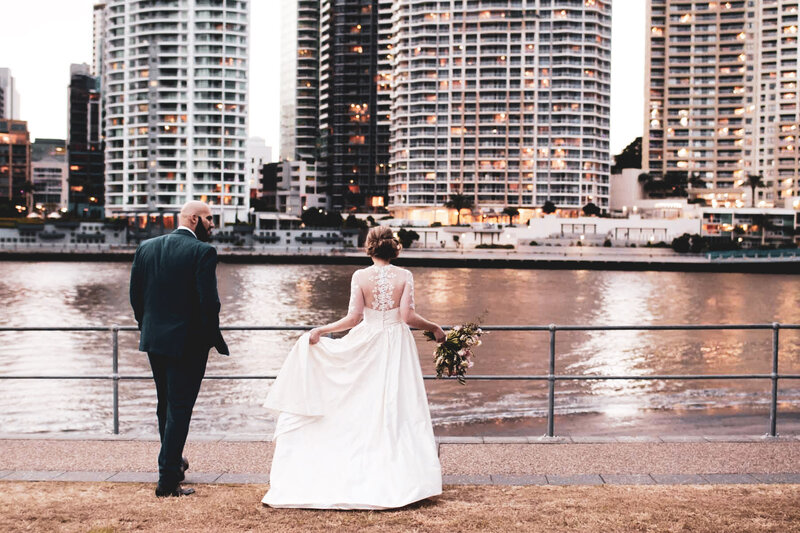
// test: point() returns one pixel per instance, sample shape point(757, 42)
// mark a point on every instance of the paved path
point(465, 460)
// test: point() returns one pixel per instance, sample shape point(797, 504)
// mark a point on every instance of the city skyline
point(42, 72)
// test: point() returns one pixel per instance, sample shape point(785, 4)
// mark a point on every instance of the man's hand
point(313, 336)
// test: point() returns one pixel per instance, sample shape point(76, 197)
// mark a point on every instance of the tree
point(630, 157)
point(459, 201)
point(689, 243)
point(315, 218)
point(696, 182)
point(754, 181)
point(407, 237)
point(548, 208)
point(591, 210)
point(510, 212)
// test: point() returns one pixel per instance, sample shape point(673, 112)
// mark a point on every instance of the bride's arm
point(409, 314)
point(351, 320)
point(355, 312)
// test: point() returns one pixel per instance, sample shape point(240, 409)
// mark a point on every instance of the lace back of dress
point(384, 286)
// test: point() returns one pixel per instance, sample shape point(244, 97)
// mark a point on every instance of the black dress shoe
point(173, 493)
point(184, 468)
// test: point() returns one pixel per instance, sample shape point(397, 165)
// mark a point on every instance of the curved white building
point(175, 97)
point(505, 101)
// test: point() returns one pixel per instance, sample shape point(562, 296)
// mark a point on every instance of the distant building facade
point(49, 173)
point(258, 154)
point(86, 196)
point(9, 96)
point(15, 166)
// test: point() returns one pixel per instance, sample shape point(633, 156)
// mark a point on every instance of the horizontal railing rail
point(551, 377)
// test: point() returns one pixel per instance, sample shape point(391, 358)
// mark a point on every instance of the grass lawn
point(110, 507)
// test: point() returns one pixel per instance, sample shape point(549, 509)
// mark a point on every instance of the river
point(96, 293)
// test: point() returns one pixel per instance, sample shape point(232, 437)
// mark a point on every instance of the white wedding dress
point(354, 429)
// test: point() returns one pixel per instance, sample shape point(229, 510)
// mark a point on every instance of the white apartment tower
point(299, 115)
point(175, 101)
point(722, 99)
point(98, 31)
point(777, 102)
point(505, 101)
point(9, 96)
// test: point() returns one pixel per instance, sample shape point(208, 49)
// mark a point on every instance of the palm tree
point(459, 201)
point(754, 181)
point(510, 212)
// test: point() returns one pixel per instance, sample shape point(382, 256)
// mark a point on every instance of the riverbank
point(549, 258)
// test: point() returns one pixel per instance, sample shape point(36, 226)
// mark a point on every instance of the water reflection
point(79, 294)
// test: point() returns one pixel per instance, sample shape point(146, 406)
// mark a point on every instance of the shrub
point(496, 246)
point(607, 243)
point(533, 243)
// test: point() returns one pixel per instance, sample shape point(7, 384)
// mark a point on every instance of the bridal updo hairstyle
point(382, 244)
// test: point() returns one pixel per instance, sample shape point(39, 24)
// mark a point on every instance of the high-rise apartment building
point(335, 96)
point(85, 144)
point(175, 99)
point(15, 166)
point(9, 96)
point(354, 67)
point(505, 102)
point(777, 102)
point(299, 112)
point(721, 97)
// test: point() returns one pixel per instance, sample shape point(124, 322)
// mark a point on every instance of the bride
point(354, 429)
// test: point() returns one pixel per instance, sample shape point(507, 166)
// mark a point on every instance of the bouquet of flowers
point(454, 356)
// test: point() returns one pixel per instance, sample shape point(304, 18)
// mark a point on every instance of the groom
point(174, 298)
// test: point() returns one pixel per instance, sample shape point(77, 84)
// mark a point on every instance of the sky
point(42, 38)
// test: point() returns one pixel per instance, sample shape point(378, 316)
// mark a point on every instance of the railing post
point(115, 375)
point(773, 406)
point(551, 380)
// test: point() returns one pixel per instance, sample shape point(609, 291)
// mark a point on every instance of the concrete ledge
point(628, 479)
point(679, 479)
point(577, 479)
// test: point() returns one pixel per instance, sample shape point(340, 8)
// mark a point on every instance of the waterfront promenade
point(80, 484)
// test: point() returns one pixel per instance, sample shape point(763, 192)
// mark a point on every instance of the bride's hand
point(438, 332)
point(313, 336)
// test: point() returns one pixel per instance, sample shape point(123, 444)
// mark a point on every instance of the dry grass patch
point(109, 507)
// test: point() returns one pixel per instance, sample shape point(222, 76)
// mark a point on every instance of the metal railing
point(551, 377)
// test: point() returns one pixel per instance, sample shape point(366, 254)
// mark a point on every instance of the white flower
point(470, 364)
point(479, 342)
point(462, 352)
point(456, 328)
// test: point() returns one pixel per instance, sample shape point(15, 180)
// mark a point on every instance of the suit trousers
point(178, 381)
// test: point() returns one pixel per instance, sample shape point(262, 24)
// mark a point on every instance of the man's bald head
point(194, 213)
point(194, 207)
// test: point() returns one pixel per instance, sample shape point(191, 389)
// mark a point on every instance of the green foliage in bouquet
point(454, 356)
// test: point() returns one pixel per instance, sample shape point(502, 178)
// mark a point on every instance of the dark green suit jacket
point(174, 295)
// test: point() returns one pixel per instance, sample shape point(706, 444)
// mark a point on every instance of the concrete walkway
point(465, 460)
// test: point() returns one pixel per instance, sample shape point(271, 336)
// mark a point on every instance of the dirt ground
point(112, 507)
